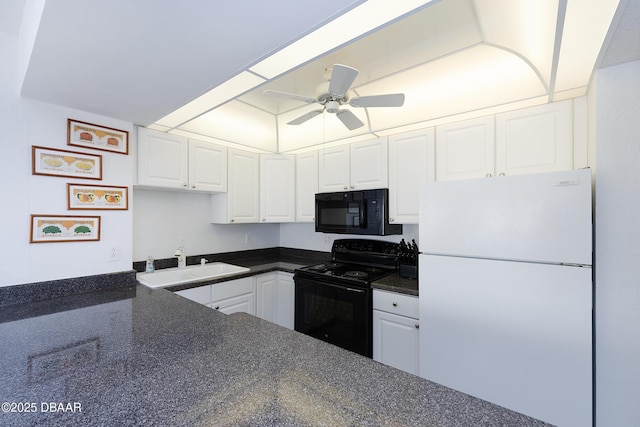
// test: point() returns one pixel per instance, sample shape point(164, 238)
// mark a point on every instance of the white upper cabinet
point(207, 166)
point(241, 203)
point(277, 188)
point(369, 164)
point(163, 159)
point(465, 150)
point(411, 164)
point(531, 140)
point(174, 162)
point(306, 186)
point(334, 169)
point(537, 139)
point(357, 166)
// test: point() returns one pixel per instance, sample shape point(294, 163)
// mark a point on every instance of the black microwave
point(355, 212)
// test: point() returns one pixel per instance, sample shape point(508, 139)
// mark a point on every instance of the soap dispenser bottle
point(150, 267)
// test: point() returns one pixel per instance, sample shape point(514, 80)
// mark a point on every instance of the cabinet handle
point(185, 185)
point(501, 174)
point(233, 220)
point(193, 186)
point(353, 186)
point(488, 175)
point(391, 219)
point(217, 307)
point(263, 219)
point(395, 304)
point(346, 188)
point(417, 325)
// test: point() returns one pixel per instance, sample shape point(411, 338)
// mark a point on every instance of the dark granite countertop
point(140, 356)
point(395, 283)
point(288, 260)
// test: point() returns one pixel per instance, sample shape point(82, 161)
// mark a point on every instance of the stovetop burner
point(351, 272)
point(356, 274)
point(356, 261)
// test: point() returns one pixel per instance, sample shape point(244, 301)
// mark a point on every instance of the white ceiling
point(141, 60)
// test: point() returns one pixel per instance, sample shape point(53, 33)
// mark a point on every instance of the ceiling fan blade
point(390, 100)
point(303, 118)
point(342, 78)
point(278, 94)
point(349, 119)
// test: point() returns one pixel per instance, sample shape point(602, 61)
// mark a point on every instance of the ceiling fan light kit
point(342, 77)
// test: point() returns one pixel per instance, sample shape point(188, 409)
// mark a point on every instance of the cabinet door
point(411, 164)
point(266, 294)
point(277, 188)
point(285, 305)
point(537, 139)
point(201, 294)
point(369, 164)
point(465, 150)
point(162, 159)
point(396, 341)
point(240, 304)
point(207, 166)
point(306, 186)
point(234, 296)
point(244, 186)
point(334, 169)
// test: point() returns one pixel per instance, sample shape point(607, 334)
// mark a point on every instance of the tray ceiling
point(140, 61)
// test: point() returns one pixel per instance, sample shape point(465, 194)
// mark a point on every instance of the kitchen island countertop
point(140, 356)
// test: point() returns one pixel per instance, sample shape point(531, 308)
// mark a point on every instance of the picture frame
point(97, 197)
point(89, 135)
point(64, 228)
point(71, 164)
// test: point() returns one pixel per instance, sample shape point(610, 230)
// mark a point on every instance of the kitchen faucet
point(182, 257)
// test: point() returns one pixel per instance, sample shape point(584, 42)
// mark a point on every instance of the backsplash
point(229, 257)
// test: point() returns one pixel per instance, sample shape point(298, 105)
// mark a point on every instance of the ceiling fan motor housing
point(333, 107)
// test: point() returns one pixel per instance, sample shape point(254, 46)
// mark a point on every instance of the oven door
point(338, 314)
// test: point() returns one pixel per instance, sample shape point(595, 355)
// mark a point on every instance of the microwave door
point(357, 215)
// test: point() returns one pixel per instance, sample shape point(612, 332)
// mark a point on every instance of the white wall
point(617, 266)
point(304, 236)
point(25, 123)
point(164, 219)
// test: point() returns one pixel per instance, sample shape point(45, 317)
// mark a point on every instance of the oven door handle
point(345, 288)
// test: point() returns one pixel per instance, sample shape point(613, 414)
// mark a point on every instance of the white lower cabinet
point(228, 297)
point(396, 336)
point(275, 298)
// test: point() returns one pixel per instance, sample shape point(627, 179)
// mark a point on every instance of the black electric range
point(333, 301)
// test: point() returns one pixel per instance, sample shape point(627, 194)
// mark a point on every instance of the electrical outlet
point(327, 239)
point(248, 238)
point(114, 254)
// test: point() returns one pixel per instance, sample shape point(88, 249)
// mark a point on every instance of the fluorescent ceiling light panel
point(228, 90)
point(586, 26)
point(237, 122)
point(349, 26)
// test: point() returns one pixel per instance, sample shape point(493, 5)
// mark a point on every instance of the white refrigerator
point(506, 295)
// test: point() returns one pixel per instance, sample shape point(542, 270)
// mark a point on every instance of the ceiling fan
point(335, 95)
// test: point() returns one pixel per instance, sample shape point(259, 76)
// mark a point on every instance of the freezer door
point(542, 217)
point(515, 334)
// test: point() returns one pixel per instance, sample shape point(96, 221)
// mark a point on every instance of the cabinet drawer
point(231, 288)
point(200, 294)
point(400, 304)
